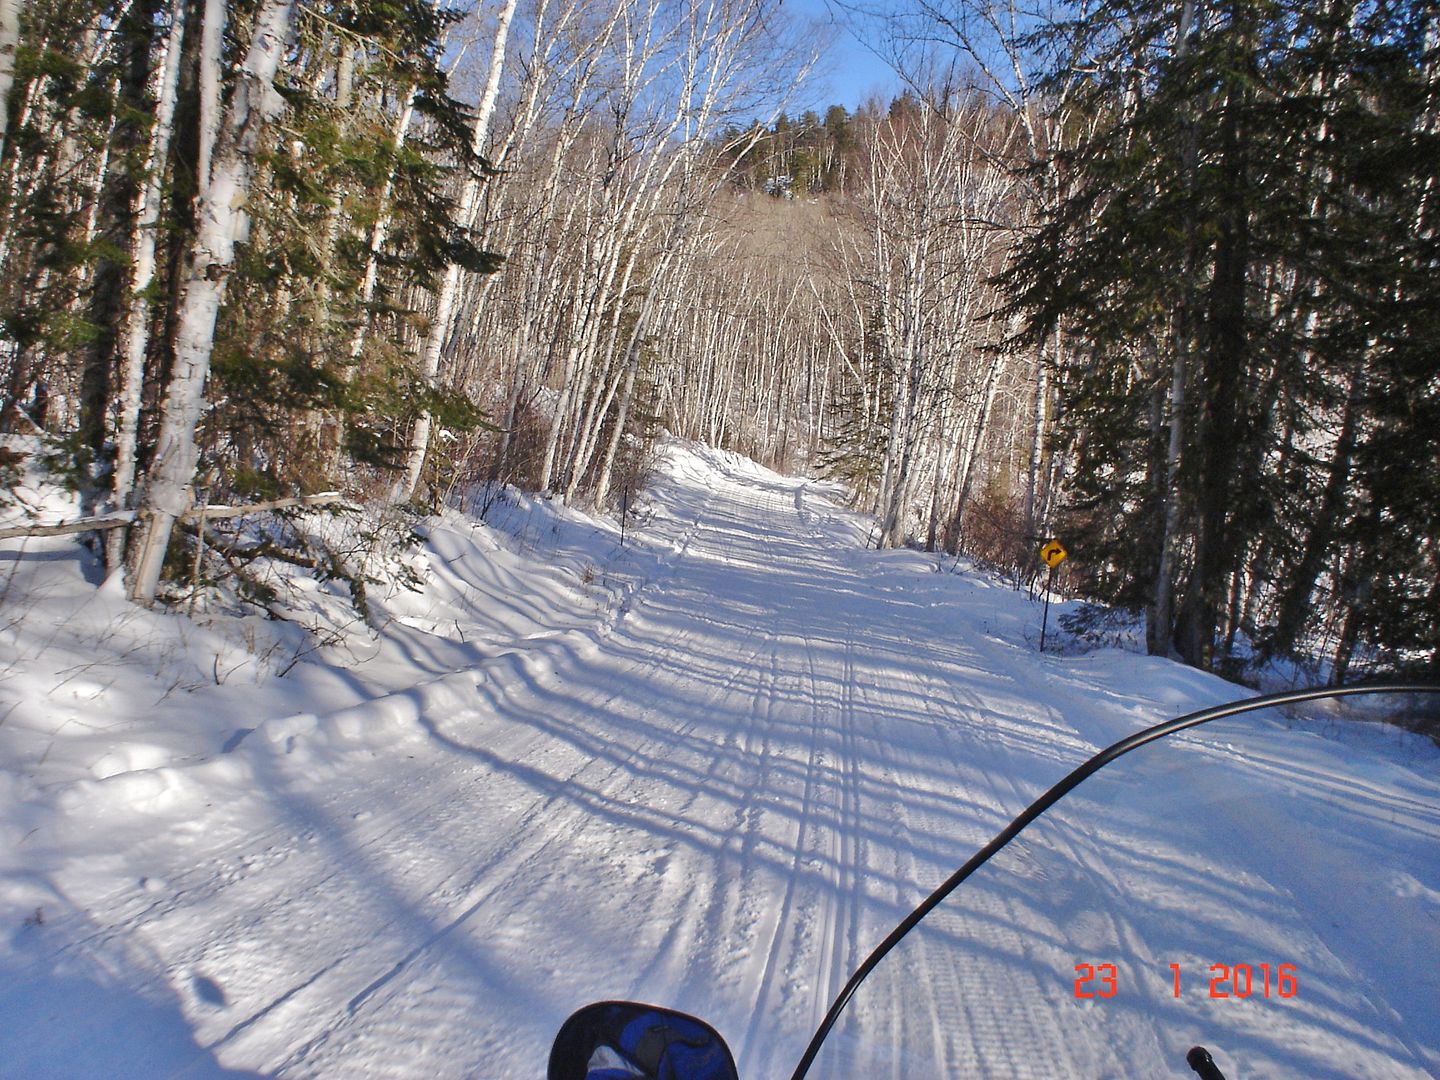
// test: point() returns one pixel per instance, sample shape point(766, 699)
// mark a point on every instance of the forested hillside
point(1160, 279)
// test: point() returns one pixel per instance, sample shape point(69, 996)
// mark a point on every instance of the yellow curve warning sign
point(1053, 553)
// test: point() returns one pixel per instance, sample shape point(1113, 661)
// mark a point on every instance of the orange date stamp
point(1229, 981)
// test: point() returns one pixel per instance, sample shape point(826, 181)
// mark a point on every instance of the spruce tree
point(1240, 264)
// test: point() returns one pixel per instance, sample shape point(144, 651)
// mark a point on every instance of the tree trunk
point(254, 103)
point(627, 393)
point(445, 300)
point(967, 478)
point(136, 337)
point(9, 42)
point(1222, 436)
point(1294, 604)
point(1039, 430)
point(1160, 620)
point(208, 80)
point(117, 215)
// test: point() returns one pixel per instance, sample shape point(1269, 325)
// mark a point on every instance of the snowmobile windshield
point(1265, 885)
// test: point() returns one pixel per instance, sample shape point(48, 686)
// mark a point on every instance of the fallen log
point(209, 513)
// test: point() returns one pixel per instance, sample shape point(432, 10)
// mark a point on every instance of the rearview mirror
point(625, 1040)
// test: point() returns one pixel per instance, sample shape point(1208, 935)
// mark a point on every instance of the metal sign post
point(1052, 554)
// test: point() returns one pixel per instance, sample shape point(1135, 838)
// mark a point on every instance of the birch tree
point(253, 104)
point(136, 323)
point(932, 205)
point(445, 300)
point(9, 42)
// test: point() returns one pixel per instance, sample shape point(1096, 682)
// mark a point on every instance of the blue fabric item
point(653, 1042)
point(669, 1047)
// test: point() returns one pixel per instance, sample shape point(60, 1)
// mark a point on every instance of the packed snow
point(708, 768)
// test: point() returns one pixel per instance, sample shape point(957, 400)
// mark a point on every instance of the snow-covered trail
point(716, 794)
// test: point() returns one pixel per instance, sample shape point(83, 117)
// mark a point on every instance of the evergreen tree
point(1236, 267)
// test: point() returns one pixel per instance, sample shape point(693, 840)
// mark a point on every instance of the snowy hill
point(709, 769)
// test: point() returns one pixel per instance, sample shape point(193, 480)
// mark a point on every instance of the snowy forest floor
point(708, 769)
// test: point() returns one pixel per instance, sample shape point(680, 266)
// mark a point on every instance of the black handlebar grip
point(1204, 1065)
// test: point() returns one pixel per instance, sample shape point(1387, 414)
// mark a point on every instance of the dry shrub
point(634, 464)
point(516, 460)
point(993, 533)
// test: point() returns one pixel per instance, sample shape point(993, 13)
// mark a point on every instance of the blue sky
point(852, 72)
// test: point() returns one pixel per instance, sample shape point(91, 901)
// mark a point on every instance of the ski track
point(769, 746)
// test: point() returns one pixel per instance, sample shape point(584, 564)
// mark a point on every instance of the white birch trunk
point(212, 29)
point(1159, 628)
point(449, 287)
point(1040, 428)
point(605, 389)
point(9, 43)
point(972, 449)
point(627, 393)
point(552, 437)
point(136, 340)
point(254, 103)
